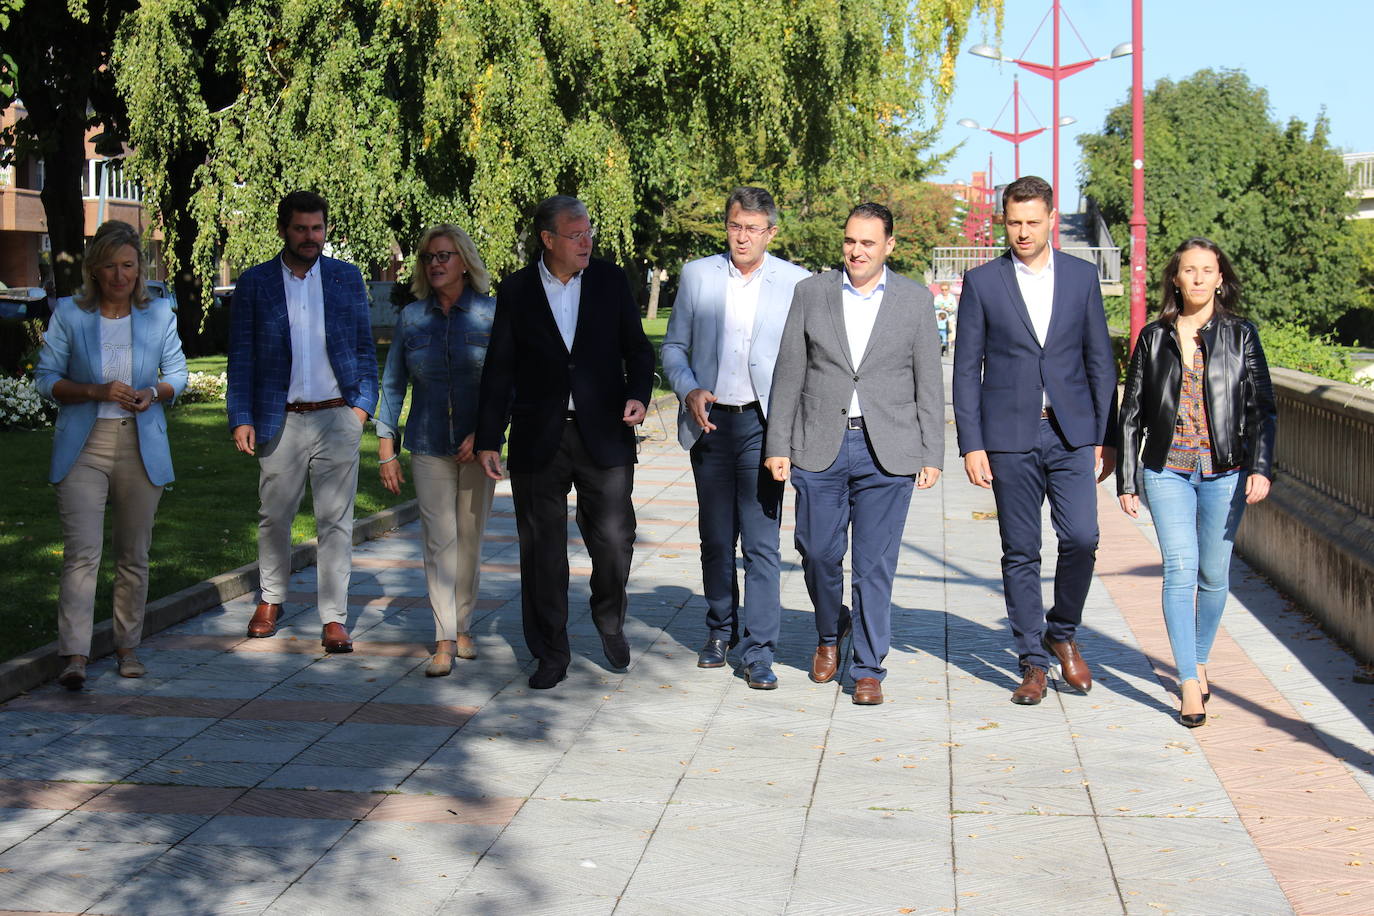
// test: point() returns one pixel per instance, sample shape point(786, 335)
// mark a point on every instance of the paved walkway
point(252, 776)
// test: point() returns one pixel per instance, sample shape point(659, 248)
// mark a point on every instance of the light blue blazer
point(71, 351)
point(691, 346)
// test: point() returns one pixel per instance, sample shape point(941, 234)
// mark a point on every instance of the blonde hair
point(109, 238)
point(477, 276)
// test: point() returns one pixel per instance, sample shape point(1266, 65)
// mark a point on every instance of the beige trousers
point(455, 500)
point(109, 470)
point(322, 447)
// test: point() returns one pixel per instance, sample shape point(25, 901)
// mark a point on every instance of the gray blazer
point(898, 379)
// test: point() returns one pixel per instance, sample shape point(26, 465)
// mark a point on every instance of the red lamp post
point(1015, 135)
point(1138, 223)
point(1055, 73)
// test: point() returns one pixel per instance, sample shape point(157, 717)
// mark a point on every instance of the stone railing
point(1314, 536)
point(950, 263)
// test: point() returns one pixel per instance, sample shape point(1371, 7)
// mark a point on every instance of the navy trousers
point(853, 493)
point(1020, 483)
point(739, 503)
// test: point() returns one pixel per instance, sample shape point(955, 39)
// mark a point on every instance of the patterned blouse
point(1192, 445)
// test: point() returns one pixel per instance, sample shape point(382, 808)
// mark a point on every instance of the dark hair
point(300, 202)
point(1028, 187)
point(753, 200)
point(873, 211)
point(547, 213)
point(1171, 299)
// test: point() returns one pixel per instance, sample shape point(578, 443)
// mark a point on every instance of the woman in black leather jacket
point(1197, 435)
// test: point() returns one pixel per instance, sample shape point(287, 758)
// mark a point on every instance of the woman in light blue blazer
point(111, 358)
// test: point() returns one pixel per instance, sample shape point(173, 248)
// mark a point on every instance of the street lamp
point(1137, 174)
point(1055, 73)
point(1016, 136)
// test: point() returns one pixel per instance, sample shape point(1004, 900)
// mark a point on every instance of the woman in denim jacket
point(440, 345)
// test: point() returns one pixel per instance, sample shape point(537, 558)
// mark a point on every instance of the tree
point(1272, 196)
point(57, 55)
point(405, 112)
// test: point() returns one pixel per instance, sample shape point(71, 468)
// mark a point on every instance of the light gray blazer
point(691, 346)
point(898, 378)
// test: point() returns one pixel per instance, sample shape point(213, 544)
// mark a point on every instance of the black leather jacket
point(1241, 417)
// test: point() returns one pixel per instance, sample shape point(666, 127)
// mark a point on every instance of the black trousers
point(606, 518)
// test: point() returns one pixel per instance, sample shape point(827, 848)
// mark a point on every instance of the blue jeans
point(1196, 520)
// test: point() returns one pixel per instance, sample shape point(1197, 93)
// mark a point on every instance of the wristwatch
point(156, 396)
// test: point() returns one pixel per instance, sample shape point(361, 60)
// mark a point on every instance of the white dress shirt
point(860, 312)
point(312, 377)
point(734, 386)
point(564, 301)
point(1037, 289)
point(116, 361)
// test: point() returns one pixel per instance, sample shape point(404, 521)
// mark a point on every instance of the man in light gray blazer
point(718, 354)
point(857, 415)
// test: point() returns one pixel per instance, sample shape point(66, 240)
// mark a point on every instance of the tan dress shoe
point(1032, 689)
point(465, 646)
point(130, 666)
point(334, 638)
point(1072, 669)
point(441, 665)
point(73, 677)
point(825, 663)
point(264, 622)
point(868, 691)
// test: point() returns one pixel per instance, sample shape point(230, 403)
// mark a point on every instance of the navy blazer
point(1001, 371)
point(529, 373)
point(260, 344)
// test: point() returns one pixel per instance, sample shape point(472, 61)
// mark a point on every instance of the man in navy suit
point(302, 381)
point(1035, 403)
point(570, 369)
point(718, 355)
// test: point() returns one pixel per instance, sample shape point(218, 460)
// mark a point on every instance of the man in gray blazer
point(857, 414)
point(718, 356)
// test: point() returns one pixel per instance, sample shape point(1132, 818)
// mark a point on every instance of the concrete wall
point(1314, 536)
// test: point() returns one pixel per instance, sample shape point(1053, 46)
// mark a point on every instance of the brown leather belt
point(307, 406)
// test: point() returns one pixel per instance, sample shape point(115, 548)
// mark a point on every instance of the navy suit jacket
point(1001, 371)
point(529, 373)
point(260, 344)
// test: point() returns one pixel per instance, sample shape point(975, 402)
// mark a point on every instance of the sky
point(1318, 57)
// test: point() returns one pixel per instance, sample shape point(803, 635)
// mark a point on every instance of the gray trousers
point(321, 446)
point(109, 471)
point(455, 500)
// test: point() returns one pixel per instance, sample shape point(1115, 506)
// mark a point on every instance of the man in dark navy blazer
point(302, 381)
point(570, 369)
point(1034, 404)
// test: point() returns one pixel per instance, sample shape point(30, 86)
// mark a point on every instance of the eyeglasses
point(575, 237)
point(441, 256)
point(752, 231)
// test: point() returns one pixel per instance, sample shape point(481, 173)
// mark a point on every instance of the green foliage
point(406, 112)
point(1272, 196)
point(1292, 346)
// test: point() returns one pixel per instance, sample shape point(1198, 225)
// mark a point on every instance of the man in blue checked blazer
point(302, 381)
point(718, 355)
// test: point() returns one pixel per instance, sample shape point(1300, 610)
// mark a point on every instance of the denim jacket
point(443, 357)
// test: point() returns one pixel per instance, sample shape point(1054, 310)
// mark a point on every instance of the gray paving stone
point(154, 894)
point(122, 827)
point(201, 773)
point(17, 824)
point(293, 832)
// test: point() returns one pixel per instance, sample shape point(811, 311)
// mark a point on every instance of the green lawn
point(206, 522)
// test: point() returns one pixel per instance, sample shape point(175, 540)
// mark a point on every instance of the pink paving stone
point(33, 913)
point(163, 799)
point(385, 563)
point(194, 707)
point(343, 806)
point(1351, 897)
point(34, 793)
point(446, 809)
point(68, 701)
point(295, 711)
point(194, 641)
point(413, 714)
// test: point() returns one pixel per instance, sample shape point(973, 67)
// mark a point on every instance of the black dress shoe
point(617, 649)
point(712, 655)
point(546, 676)
point(760, 676)
point(1192, 719)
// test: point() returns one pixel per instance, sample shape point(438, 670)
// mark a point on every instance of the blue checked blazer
point(260, 344)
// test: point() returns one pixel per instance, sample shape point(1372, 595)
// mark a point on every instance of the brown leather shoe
point(264, 622)
point(1072, 669)
point(334, 638)
point(825, 663)
point(1032, 689)
point(868, 692)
